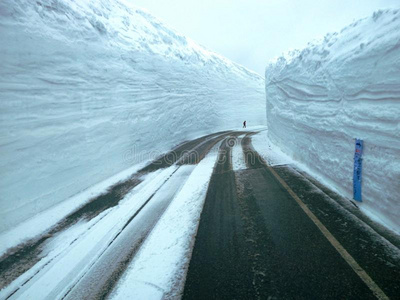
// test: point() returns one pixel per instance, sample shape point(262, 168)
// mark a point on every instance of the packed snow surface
point(90, 88)
point(344, 87)
point(159, 269)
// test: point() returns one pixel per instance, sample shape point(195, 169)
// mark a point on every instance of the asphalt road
point(254, 241)
point(103, 274)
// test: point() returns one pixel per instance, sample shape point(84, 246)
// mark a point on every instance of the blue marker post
point(357, 170)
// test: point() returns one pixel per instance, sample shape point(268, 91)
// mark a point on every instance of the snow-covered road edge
point(89, 88)
point(159, 269)
point(342, 87)
point(59, 271)
point(42, 222)
point(274, 156)
point(271, 153)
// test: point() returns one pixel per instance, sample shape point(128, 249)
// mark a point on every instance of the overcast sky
point(251, 32)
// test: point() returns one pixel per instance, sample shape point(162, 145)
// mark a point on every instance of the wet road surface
point(255, 242)
point(26, 256)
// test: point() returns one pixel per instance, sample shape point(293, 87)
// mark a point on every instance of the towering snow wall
point(88, 88)
point(344, 87)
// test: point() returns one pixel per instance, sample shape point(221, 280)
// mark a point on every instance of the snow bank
point(89, 88)
point(272, 154)
point(345, 86)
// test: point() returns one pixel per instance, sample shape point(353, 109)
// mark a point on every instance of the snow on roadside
point(45, 220)
point(272, 154)
point(159, 269)
point(346, 86)
point(63, 266)
point(90, 88)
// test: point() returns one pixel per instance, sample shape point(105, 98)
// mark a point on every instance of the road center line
point(335, 243)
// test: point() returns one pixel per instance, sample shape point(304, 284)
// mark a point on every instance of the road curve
point(255, 240)
point(31, 266)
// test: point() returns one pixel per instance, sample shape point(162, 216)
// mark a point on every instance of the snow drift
point(347, 86)
point(89, 88)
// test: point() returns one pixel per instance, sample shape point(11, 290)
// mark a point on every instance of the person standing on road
point(244, 124)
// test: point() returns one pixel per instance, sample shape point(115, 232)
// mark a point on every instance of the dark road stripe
point(23, 257)
point(220, 241)
point(255, 242)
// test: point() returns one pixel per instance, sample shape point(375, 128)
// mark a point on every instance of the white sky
point(251, 32)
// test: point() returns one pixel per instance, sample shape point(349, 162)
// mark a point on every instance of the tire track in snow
point(23, 257)
point(100, 291)
point(181, 157)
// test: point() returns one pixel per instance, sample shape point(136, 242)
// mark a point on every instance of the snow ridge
point(344, 87)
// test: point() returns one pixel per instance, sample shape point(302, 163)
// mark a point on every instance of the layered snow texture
point(89, 88)
point(347, 86)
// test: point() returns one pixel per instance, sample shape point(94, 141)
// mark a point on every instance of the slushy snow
point(90, 88)
point(344, 87)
